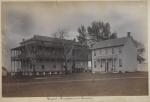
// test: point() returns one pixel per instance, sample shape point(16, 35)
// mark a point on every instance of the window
point(94, 64)
point(106, 51)
point(120, 62)
point(94, 52)
point(91, 45)
point(33, 66)
point(54, 66)
point(30, 66)
point(100, 51)
point(40, 60)
point(112, 50)
point(98, 61)
point(62, 66)
point(140, 61)
point(42, 66)
point(120, 50)
point(101, 64)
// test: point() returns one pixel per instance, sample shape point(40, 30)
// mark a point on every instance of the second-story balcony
point(39, 55)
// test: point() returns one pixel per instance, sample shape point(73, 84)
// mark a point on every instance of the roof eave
point(107, 47)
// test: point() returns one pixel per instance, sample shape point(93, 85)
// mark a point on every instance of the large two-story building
point(42, 55)
point(115, 55)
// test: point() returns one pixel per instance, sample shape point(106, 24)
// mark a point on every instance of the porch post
point(105, 65)
point(112, 64)
point(14, 66)
point(11, 61)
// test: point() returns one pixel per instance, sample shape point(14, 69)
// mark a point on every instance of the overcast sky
point(23, 20)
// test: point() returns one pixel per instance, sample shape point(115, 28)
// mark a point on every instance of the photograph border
point(82, 98)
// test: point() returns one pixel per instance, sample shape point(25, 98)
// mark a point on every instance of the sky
point(25, 19)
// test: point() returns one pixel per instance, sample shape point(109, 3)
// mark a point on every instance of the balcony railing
point(39, 55)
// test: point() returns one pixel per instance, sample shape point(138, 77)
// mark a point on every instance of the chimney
point(23, 40)
point(74, 39)
point(128, 34)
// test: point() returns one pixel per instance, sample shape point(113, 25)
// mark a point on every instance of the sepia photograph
point(74, 48)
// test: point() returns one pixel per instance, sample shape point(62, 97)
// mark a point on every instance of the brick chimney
point(74, 39)
point(128, 34)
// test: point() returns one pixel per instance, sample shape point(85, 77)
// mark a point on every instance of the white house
point(115, 55)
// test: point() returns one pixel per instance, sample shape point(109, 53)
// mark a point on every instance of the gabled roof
point(110, 43)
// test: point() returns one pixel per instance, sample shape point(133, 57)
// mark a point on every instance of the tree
point(82, 38)
point(106, 31)
point(99, 31)
point(31, 52)
point(96, 32)
point(60, 34)
point(66, 47)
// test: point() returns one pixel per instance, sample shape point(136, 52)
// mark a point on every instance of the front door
point(106, 66)
point(110, 65)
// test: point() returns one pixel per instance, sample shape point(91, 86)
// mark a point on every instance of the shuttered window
point(120, 62)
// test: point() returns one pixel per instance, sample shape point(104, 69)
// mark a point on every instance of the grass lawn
point(83, 84)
